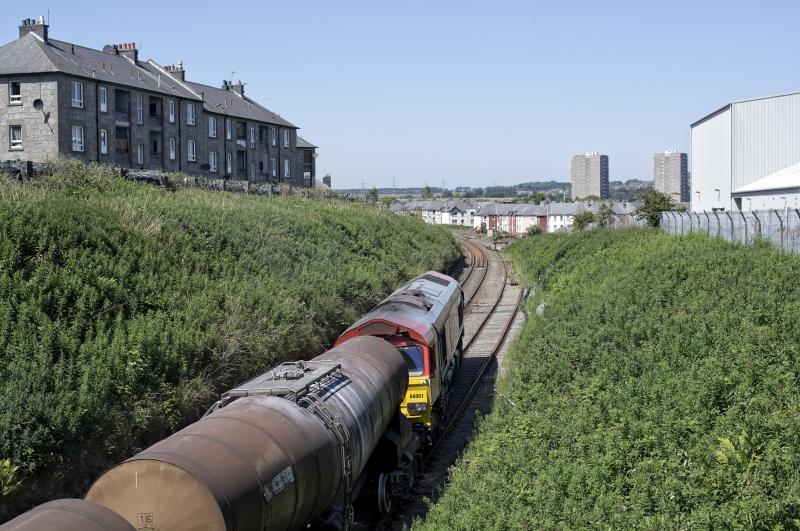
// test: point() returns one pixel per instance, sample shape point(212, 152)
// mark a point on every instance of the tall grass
point(126, 309)
point(659, 389)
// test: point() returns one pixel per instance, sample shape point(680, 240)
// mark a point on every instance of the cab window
point(415, 359)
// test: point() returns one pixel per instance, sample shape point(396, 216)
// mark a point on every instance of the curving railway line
point(491, 303)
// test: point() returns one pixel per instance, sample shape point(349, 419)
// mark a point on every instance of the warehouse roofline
point(731, 104)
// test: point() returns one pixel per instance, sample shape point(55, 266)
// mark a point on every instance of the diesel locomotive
point(297, 445)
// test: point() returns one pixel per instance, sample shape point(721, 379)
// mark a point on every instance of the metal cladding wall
point(263, 463)
point(68, 515)
point(711, 162)
point(766, 137)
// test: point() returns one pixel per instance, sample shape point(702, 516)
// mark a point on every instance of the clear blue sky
point(477, 93)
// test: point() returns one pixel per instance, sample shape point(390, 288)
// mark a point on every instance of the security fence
point(781, 227)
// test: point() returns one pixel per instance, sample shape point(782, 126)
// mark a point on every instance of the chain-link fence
point(781, 227)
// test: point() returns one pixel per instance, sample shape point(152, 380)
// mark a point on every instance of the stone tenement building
point(590, 176)
point(671, 175)
point(62, 99)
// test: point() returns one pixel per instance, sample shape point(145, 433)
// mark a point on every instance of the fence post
point(780, 220)
point(744, 218)
point(708, 223)
point(719, 225)
point(730, 218)
point(758, 225)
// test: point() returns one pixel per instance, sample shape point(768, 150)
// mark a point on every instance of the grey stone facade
point(124, 117)
point(590, 176)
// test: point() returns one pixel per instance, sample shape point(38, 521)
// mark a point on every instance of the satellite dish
point(38, 104)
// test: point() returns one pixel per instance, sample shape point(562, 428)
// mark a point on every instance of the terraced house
point(62, 99)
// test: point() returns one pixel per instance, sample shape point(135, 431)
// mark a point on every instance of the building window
point(139, 110)
point(15, 136)
point(229, 164)
point(191, 152)
point(212, 127)
point(103, 99)
point(14, 93)
point(274, 167)
point(77, 138)
point(190, 114)
point(172, 148)
point(122, 139)
point(140, 154)
point(228, 129)
point(252, 137)
point(122, 102)
point(274, 138)
point(172, 111)
point(212, 161)
point(252, 171)
point(104, 142)
point(287, 168)
point(77, 94)
point(285, 138)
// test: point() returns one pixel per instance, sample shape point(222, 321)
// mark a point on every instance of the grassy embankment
point(660, 389)
point(126, 309)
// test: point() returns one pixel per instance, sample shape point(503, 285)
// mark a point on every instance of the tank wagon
point(424, 319)
point(68, 515)
point(294, 445)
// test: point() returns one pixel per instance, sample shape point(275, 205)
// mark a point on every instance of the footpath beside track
point(492, 302)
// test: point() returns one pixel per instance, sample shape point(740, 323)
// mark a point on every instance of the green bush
point(659, 389)
point(125, 309)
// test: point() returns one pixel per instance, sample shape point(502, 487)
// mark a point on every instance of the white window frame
point(103, 142)
point(173, 148)
point(78, 139)
point(140, 154)
point(191, 151)
point(14, 99)
point(274, 136)
point(103, 99)
point(139, 109)
point(285, 138)
point(274, 165)
point(190, 117)
point(252, 136)
point(287, 169)
point(172, 111)
point(228, 129)
point(212, 161)
point(77, 94)
point(212, 127)
point(12, 144)
point(229, 163)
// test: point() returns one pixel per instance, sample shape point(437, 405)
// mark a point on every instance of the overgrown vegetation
point(660, 389)
point(126, 309)
point(654, 204)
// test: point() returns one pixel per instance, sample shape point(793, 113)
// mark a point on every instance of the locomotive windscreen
point(415, 359)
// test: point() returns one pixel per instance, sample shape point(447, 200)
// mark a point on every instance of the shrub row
point(659, 389)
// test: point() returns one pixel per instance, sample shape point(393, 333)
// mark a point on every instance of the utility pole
point(362, 189)
point(394, 182)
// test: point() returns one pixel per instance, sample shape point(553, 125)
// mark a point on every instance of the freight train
point(297, 445)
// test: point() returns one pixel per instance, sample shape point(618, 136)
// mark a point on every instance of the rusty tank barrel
point(68, 515)
point(266, 462)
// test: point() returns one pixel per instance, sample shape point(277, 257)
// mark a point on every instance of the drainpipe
point(97, 120)
point(179, 141)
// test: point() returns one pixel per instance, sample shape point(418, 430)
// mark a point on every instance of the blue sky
point(475, 93)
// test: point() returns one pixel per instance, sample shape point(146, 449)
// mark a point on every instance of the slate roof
point(29, 54)
point(230, 103)
point(305, 144)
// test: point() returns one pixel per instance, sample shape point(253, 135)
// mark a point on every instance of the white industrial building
point(744, 155)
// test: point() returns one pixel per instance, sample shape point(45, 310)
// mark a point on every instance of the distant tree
point(386, 201)
point(653, 205)
point(538, 197)
point(426, 192)
point(533, 230)
point(447, 194)
point(582, 220)
point(372, 195)
point(603, 218)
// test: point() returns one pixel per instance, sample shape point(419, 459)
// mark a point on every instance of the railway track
point(493, 304)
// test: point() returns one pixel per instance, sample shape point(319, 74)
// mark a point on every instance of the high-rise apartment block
point(590, 176)
point(671, 175)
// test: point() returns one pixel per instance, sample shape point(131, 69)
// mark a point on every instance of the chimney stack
point(34, 26)
point(129, 50)
point(237, 87)
point(177, 71)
